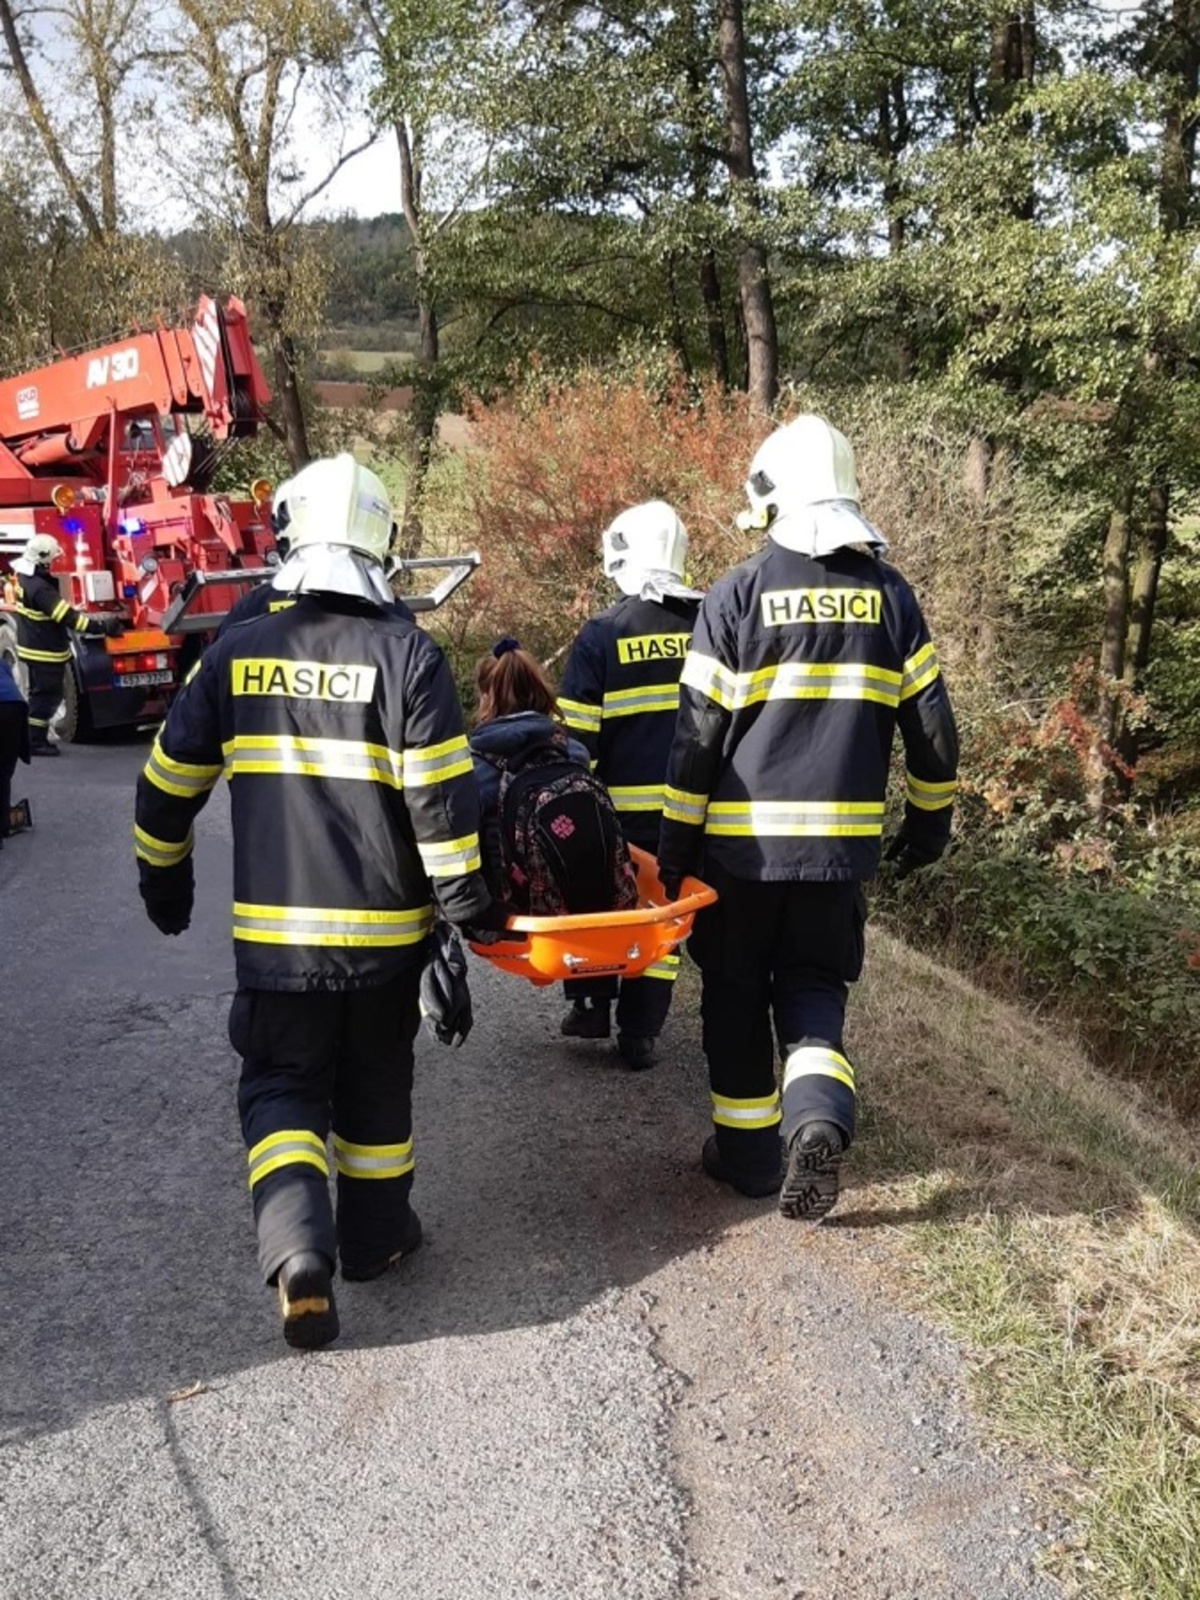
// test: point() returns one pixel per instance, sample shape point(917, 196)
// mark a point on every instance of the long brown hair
point(512, 681)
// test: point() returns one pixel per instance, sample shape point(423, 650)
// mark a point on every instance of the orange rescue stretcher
point(596, 944)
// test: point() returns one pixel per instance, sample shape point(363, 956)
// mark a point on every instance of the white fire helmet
point(643, 543)
point(803, 486)
point(337, 519)
point(42, 550)
point(336, 501)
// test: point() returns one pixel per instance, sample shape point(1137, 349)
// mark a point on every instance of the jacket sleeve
point(706, 690)
point(440, 789)
point(46, 599)
point(581, 697)
point(928, 730)
point(184, 765)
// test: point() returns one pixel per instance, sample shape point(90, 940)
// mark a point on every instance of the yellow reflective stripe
point(288, 1147)
point(59, 611)
point(919, 670)
point(666, 968)
point(286, 755)
point(372, 1160)
point(24, 653)
point(707, 674)
point(181, 778)
point(577, 714)
point(652, 697)
point(761, 1113)
point(329, 927)
point(437, 763)
point(447, 858)
point(636, 796)
point(161, 852)
point(681, 806)
point(193, 670)
point(929, 796)
point(818, 1061)
point(81, 623)
point(817, 819)
point(28, 611)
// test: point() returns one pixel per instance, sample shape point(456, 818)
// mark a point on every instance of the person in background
point(552, 842)
point(620, 695)
point(14, 742)
point(44, 624)
point(804, 661)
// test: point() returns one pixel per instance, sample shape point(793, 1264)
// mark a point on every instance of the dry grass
point(1049, 1216)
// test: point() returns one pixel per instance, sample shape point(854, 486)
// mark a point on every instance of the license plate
point(142, 680)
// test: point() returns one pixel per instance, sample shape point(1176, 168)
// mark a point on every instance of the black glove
point(909, 854)
point(672, 882)
point(112, 627)
point(445, 996)
point(168, 893)
point(490, 926)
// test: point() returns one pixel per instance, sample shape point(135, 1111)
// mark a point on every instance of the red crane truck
point(112, 452)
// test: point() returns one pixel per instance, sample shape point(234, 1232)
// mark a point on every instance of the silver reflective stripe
point(313, 758)
point(373, 1160)
point(679, 805)
point(764, 1112)
point(438, 762)
point(817, 1061)
point(306, 925)
point(451, 857)
point(626, 704)
point(289, 1148)
point(636, 796)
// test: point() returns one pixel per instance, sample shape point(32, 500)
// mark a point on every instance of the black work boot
point(810, 1185)
point(587, 1019)
point(410, 1240)
point(42, 747)
point(310, 1316)
point(636, 1052)
point(755, 1185)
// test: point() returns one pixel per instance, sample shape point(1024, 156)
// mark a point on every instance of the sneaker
point(363, 1272)
point(587, 1019)
point(810, 1186)
point(755, 1185)
point(637, 1053)
point(310, 1316)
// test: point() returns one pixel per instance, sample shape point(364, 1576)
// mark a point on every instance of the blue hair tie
point(503, 646)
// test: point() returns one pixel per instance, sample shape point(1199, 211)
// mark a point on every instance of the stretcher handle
point(693, 896)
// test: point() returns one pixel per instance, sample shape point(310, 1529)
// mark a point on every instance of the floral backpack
point(561, 843)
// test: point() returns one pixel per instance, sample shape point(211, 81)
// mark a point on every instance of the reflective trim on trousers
point(289, 1147)
point(817, 1061)
point(372, 1160)
point(764, 1112)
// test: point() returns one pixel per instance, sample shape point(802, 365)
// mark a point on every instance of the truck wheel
point(74, 725)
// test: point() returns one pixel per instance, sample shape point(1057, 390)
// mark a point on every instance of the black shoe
point(363, 1272)
point(310, 1316)
point(43, 750)
point(637, 1053)
point(755, 1185)
point(587, 1019)
point(810, 1186)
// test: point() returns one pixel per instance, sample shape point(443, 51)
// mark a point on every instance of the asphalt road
point(602, 1377)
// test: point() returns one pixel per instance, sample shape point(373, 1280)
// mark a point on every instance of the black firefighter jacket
point(620, 695)
point(43, 620)
point(338, 727)
point(799, 671)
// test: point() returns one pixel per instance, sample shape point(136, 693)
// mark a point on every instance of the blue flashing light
point(72, 525)
point(128, 590)
point(131, 526)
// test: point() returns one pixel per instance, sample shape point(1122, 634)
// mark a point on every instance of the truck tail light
point(142, 661)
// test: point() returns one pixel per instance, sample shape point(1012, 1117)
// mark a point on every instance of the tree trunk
point(37, 115)
point(754, 283)
point(714, 316)
point(1104, 785)
point(1143, 590)
point(287, 391)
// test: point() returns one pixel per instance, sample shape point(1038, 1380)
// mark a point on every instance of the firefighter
point(353, 804)
point(804, 659)
point(45, 622)
point(620, 693)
